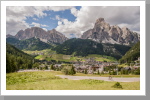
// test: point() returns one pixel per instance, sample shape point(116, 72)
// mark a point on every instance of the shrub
point(52, 67)
point(98, 72)
point(85, 71)
point(46, 67)
point(117, 85)
point(137, 71)
point(68, 70)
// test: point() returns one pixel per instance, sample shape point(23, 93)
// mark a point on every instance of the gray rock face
point(51, 36)
point(104, 33)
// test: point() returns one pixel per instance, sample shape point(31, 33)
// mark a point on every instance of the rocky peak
point(53, 31)
point(125, 28)
point(52, 36)
point(104, 33)
point(101, 25)
point(99, 20)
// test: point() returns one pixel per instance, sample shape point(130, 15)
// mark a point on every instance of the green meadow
point(46, 80)
point(49, 54)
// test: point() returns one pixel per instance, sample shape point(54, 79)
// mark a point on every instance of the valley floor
point(47, 80)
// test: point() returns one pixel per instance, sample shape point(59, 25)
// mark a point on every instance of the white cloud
point(35, 19)
point(57, 17)
point(74, 11)
point(38, 24)
point(44, 25)
point(59, 8)
point(13, 27)
point(16, 15)
point(44, 29)
point(59, 23)
point(68, 28)
point(35, 24)
point(86, 17)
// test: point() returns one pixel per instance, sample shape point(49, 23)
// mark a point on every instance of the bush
point(68, 70)
point(112, 72)
point(46, 67)
point(52, 67)
point(137, 71)
point(98, 72)
point(85, 71)
point(117, 85)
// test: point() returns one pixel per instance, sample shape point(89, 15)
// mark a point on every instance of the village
point(91, 66)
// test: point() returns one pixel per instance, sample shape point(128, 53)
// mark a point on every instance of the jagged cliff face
point(51, 36)
point(104, 33)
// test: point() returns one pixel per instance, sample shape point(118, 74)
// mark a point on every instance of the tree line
point(132, 55)
point(16, 59)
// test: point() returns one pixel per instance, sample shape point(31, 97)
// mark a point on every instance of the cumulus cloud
point(38, 24)
point(44, 29)
point(87, 15)
point(35, 24)
point(74, 11)
point(43, 25)
point(16, 16)
point(13, 27)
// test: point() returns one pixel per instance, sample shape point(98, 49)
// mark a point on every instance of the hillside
point(15, 58)
point(79, 47)
point(132, 55)
point(83, 47)
point(28, 44)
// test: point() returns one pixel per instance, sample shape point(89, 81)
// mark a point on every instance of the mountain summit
point(104, 33)
point(50, 36)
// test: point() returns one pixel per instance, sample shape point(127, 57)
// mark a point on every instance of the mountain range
point(104, 33)
point(103, 39)
point(50, 36)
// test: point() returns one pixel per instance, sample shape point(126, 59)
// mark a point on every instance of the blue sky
point(71, 21)
point(50, 20)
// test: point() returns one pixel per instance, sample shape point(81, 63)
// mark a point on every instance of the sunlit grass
point(55, 56)
point(46, 80)
point(123, 65)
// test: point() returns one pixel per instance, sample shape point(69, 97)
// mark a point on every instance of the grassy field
point(52, 55)
point(46, 80)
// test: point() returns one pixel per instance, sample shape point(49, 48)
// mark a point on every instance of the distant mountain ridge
point(104, 33)
point(50, 36)
point(28, 44)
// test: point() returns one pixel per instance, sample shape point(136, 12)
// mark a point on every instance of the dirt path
point(87, 77)
point(100, 78)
